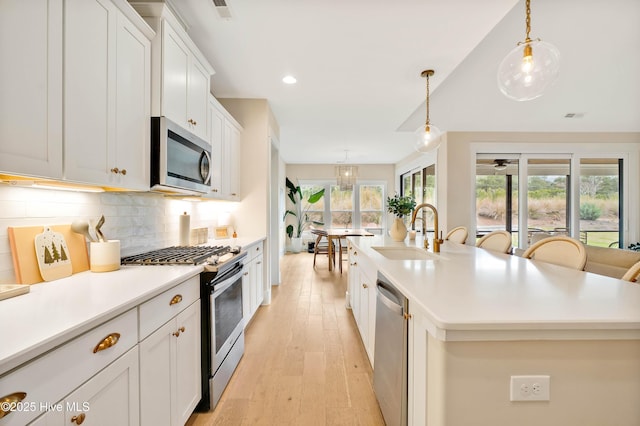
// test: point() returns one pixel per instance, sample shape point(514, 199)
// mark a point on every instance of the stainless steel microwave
point(180, 160)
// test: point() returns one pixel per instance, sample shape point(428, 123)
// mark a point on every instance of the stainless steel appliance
point(222, 326)
point(180, 160)
point(390, 353)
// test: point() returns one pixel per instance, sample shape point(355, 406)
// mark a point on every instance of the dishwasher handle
point(389, 298)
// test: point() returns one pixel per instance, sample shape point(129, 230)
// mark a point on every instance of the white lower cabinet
point(109, 397)
point(170, 385)
point(45, 381)
point(362, 290)
point(252, 282)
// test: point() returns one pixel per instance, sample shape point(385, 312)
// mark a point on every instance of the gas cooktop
point(177, 255)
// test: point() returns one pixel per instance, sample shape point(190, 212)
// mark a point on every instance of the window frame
point(356, 213)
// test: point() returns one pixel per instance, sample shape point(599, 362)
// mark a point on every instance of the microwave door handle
point(206, 179)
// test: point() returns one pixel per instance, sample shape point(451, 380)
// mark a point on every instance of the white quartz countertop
point(470, 293)
point(54, 312)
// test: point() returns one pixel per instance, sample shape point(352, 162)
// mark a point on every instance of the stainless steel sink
point(406, 253)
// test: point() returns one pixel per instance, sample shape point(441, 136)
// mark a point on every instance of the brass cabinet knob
point(180, 330)
point(115, 170)
point(8, 402)
point(176, 299)
point(364, 285)
point(79, 419)
point(353, 264)
point(214, 190)
point(107, 342)
point(192, 121)
point(245, 274)
point(407, 316)
point(123, 172)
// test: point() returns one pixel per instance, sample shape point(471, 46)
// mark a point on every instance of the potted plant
point(400, 206)
point(302, 221)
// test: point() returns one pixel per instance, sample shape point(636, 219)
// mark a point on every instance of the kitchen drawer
point(49, 378)
point(167, 305)
point(253, 251)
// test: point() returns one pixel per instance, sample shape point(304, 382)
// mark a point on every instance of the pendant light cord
point(528, 20)
point(427, 122)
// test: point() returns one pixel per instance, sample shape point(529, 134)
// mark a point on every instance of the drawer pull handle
point(176, 299)
point(79, 419)
point(354, 264)
point(107, 342)
point(180, 330)
point(8, 401)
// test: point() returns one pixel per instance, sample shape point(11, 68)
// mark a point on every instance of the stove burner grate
point(176, 255)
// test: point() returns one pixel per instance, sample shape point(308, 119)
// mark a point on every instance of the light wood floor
point(304, 363)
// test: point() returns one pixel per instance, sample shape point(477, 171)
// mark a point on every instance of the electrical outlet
point(530, 388)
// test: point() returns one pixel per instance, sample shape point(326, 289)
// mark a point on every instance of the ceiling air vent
point(574, 115)
point(222, 9)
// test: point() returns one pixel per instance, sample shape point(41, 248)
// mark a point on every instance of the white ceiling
point(358, 65)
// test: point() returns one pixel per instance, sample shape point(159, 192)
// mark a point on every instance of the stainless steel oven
point(180, 160)
point(222, 327)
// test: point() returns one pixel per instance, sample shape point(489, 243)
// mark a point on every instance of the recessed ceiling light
point(289, 80)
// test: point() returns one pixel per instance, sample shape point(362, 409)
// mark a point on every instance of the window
point(546, 200)
point(421, 185)
point(600, 201)
point(363, 206)
point(315, 210)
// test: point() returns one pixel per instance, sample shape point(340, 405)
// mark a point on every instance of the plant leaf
point(314, 198)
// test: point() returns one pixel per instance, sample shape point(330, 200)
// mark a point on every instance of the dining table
point(339, 233)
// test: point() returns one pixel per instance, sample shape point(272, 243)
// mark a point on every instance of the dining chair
point(633, 274)
point(496, 241)
point(321, 247)
point(457, 235)
point(559, 250)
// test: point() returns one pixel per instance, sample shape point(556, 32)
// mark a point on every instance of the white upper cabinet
point(78, 68)
point(31, 87)
point(107, 97)
point(180, 73)
point(224, 132)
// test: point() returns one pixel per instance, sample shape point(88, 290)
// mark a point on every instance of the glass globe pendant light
point(529, 69)
point(427, 136)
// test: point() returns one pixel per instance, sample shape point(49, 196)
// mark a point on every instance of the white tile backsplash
point(141, 221)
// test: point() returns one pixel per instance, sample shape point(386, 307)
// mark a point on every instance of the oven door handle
point(222, 286)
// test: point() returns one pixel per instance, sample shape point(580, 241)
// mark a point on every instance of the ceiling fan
point(500, 164)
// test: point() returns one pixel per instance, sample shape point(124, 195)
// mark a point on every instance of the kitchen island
point(479, 317)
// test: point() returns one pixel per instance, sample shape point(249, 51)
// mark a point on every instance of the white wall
point(141, 221)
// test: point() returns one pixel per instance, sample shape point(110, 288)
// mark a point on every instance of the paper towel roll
point(185, 230)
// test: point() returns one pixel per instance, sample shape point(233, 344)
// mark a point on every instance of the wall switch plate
point(530, 388)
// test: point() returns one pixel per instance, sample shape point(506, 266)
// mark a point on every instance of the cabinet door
point(157, 371)
point(215, 129)
point(109, 397)
point(174, 76)
point(197, 98)
point(31, 87)
point(52, 418)
point(247, 276)
point(188, 380)
point(133, 98)
point(90, 51)
point(234, 161)
point(257, 294)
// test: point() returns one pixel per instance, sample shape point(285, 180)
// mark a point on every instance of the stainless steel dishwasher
point(390, 353)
